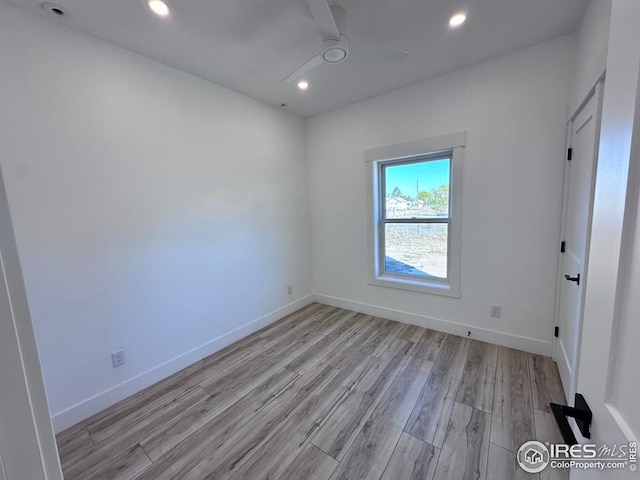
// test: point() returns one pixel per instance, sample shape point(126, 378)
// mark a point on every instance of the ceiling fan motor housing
point(334, 51)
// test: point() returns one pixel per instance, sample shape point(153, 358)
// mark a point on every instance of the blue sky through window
point(430, 175)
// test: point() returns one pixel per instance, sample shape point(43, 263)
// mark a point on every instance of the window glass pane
point(418, 249)
point(417, 190)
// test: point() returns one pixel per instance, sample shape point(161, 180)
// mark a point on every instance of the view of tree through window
point(416, 194)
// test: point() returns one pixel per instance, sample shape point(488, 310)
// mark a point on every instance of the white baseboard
point(564, 366)
point(83, 410)
point(518, 342)
point(86, 408)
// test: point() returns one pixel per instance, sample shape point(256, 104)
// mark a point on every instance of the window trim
point(452, 144)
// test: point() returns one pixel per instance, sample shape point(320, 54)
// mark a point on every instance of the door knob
point(573, 279)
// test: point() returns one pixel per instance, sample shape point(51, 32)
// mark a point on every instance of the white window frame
point(449, 146)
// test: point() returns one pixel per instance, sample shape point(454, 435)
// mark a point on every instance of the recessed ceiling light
point(158, 7)
point(52, 8)
point(303, 84)
point(457, 20)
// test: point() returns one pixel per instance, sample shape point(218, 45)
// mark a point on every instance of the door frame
point(558, 354)
point(27, 441)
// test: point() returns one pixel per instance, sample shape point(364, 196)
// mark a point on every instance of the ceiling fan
point(331, 21)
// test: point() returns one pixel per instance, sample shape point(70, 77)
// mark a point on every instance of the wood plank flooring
point(328, 394)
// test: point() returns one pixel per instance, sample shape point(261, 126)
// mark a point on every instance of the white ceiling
point(250, 45)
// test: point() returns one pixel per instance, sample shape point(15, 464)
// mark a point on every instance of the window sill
point(422, 286)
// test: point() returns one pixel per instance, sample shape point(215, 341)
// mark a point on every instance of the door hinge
point(562, 245)
point(569, 153)
point(556, 332)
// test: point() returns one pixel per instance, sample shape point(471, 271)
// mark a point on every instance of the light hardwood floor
point(328, 394)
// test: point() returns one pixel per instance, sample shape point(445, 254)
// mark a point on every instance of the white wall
point(514, 110)
point(591, 56)
point(153, 211)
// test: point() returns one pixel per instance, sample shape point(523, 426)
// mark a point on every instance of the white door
point(578, 200)
point(609, 378)
point(609, 369)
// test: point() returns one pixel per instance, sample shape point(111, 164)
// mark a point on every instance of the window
point(414, 215)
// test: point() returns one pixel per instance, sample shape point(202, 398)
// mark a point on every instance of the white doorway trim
point(27, 444)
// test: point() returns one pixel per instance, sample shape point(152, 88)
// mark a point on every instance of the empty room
point(319, 240)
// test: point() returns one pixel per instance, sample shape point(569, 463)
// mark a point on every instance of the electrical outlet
point(117, 358)
point(496, 311)
point(289, 289)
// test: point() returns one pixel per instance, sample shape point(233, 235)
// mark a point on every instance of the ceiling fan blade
point(310, 64)
point(369, 53)
point(321, 13)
